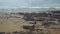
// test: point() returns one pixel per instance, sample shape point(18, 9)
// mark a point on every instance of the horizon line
point(29, 7)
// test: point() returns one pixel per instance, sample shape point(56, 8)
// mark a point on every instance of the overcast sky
point(29, 3)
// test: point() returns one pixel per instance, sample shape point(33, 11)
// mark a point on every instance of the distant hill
point(27, 9)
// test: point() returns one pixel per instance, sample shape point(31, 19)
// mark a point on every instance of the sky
point(29, 3)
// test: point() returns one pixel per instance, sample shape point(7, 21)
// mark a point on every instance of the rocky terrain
point(30, 23)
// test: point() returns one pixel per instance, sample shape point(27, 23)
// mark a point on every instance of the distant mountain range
point(28, 9)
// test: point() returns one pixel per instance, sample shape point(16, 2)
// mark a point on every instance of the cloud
point(7, 0)
point(30, 3)
point(19, 0)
